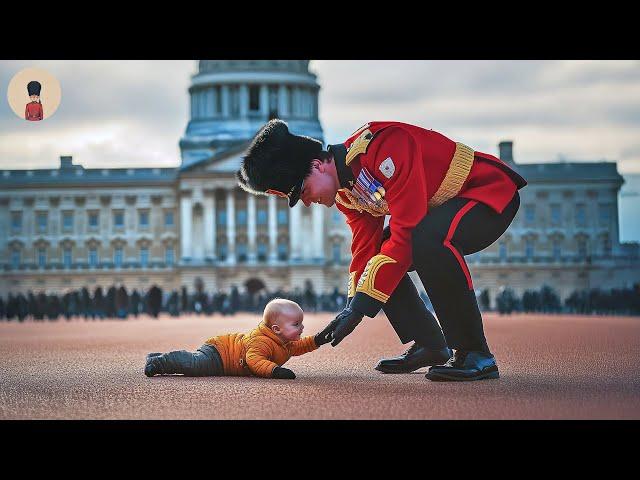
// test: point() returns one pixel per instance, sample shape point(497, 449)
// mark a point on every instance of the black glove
point(326, 335)
point(283, 373)
point(347, 321)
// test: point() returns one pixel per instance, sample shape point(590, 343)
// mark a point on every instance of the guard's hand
point(283, 373)
point(326, 335)
point(347, 321)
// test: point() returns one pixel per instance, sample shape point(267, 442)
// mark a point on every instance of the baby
point(261, 352)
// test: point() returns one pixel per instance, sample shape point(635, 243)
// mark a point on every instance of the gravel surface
point(552, 367)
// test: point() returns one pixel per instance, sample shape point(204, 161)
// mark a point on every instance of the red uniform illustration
point(33, 111)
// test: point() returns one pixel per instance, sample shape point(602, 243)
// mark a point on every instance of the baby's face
point(289, 325)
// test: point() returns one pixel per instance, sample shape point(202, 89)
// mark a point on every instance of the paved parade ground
point(552, 367)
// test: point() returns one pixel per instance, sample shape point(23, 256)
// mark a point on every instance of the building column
point(251, 226)
point(231, 227)
point(283, 101)
point(209, 226)
point(244, 101)
point(185, 226)
point(264, 101)
point(318, 232)
point(294, 232)
point(273, 232)
point(224, 104)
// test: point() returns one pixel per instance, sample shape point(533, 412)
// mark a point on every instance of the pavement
point(551, 367)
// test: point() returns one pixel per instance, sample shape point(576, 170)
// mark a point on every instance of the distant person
point(260, 353)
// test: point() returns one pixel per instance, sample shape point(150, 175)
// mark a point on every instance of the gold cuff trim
point(458, 172)
point(351, 286)
point(358, 146)
point(366, 284)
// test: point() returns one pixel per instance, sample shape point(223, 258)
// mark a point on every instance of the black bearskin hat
point(277, 162)
point(33, 88)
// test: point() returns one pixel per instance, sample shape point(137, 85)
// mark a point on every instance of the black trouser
point(456, 228)
point(204, 362)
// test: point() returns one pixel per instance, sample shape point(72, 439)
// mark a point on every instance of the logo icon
point(34, 94)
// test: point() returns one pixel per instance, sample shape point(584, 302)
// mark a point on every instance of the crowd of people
point(118, 302)
point(616, 301)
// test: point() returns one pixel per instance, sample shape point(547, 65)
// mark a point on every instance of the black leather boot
point(413, 359)
point(464, 366)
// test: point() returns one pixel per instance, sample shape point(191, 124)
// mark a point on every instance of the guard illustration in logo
point(33, 110)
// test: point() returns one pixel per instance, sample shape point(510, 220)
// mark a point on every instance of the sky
point(133, 113)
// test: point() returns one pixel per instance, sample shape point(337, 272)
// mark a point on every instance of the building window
point(606, 245)
point(291, 101)
point(216, 101)
point(143, 219)
point(222, 251)
point(336, 252)
point(222, 217)
point(15, 259)
point(42, 222)
point(42, 257)
point(555, 215)
point(241, 217)
point(283, 217)
point(557, 249)
point(168, 219)
point(66, 257)
point(528, 248)
point(241, 250)
point(93, 257)
point(262, 217)
point(604, 214)
point(169, 256)
point(582, 248)
point(581, 215)
point(67, 221)
point(529, 214)
point(16, 222)
point(254, 98)
point(144, 256)
point(118, 219)
point(93, 220)
point(503, 251)
point(117, 257)
point(262, 251)
point(283, 250)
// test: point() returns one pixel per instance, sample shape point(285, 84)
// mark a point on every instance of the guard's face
point(320, 186)
point(34, 98)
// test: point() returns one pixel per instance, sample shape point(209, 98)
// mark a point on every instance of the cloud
point(133, 113)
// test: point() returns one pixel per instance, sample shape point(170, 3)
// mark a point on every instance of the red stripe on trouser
point(447, 240)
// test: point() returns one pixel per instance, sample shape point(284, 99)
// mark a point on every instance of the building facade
point(71, 227)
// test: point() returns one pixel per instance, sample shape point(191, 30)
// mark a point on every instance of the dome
point(295, 66)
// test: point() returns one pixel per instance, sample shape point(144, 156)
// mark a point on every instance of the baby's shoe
point(153, 365)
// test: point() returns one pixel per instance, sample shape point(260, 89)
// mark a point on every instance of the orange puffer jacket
point(257, 352)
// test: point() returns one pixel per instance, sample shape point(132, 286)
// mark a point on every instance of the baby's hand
point(283, 373)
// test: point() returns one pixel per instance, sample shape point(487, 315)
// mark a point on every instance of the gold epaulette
point(359, 146)
point(457, 173)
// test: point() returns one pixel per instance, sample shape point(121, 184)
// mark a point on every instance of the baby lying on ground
point(261, 352)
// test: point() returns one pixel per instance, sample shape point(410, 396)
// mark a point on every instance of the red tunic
point(33, 111)
point(410, 163)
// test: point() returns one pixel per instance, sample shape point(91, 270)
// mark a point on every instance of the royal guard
point(445, 200)
point(33, 110)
